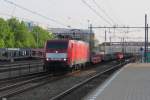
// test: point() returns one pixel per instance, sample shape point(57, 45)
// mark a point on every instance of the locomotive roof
point(57, 40)
point(69, 31)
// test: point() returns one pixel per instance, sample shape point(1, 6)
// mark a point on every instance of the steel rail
point(18, 64)
point(22, 77)
point(59, 96)
point(12, 89)
point(19, 67)
point(23, 82)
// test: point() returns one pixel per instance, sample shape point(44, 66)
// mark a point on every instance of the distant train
point(11, 54)
point(14, 53)
point(8, 54)
point(70, 54)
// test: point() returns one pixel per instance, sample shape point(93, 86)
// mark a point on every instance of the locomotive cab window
point(57, 45)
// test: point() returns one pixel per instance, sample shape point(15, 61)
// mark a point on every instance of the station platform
point(132, 82)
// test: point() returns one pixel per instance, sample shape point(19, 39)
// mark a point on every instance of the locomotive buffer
point(130, 83)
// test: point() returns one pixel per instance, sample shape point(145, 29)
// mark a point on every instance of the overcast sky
point(76, 13)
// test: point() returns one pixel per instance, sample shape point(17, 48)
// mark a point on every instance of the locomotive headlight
point(65, 59)
point(47, 59)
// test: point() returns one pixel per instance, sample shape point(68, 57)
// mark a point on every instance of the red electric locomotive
point(65, 54)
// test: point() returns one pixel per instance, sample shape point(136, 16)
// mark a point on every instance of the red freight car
point(119, 55)
point(96, 58)
point(65, 53)
point(37, 53)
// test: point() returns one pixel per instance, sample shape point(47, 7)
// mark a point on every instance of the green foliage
point(5, 34)
point(9, 40)
point(15, 34)
point(2, 44)
point(40, 35)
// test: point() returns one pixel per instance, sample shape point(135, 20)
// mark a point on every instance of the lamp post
point(90, 41)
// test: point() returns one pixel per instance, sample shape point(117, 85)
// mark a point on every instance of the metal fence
point(14, 70)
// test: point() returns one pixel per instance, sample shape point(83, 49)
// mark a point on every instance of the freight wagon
point(7, 54)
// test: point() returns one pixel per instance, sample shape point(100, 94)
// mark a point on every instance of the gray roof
point(69, 31)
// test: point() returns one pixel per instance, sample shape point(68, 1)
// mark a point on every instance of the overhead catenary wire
point(112, 23)
point(124, 27)
point(107, 15)
point(112, 13)
point(102, 10)
point(35, 13)
point(96, 12)
point(114, 27)
point(24, 19)
point(56, 21)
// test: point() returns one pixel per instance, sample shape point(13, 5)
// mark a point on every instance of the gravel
point(52, 89)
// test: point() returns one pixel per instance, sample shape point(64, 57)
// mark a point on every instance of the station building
point(76, 34)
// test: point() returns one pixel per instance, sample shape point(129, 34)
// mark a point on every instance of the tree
point(41, 35)
point(9, 40)
point(5, 34)
point(2, 44)
point(22, 35)
point(14, 25)
point(16, 34)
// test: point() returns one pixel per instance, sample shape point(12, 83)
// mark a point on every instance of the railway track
point(23, 85)
point(11, 71)
point(19, 87)
point(4, 63)
point(19, 66)
point(70, 94)
point(27, 84)
point(8, 81)
point(20, 63)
